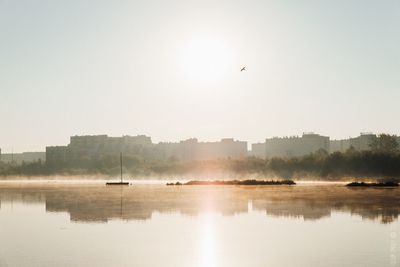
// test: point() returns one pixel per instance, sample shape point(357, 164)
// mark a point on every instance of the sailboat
point(121, 182)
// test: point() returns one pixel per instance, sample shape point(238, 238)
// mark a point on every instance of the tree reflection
point(101, 204)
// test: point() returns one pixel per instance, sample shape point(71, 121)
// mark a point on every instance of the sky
point(171, 69)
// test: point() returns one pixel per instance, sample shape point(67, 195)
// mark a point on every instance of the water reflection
point(100, 203)
point(207, 241)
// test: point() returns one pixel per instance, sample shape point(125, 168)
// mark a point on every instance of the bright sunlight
point(206, 60)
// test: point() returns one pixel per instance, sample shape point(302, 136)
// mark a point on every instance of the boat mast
point(120, 157)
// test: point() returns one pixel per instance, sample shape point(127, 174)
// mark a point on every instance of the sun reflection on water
point(207, 249)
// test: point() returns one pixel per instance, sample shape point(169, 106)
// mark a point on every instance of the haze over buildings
point(292, 146)
point(19, 158)
point(96, 147)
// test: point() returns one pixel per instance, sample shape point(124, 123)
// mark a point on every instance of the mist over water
point(82, 223)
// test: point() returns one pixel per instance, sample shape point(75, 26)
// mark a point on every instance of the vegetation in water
point(237, 182)
point(380, 184)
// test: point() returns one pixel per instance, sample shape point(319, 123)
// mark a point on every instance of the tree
point(351, 151)
point(385, 143)
point(321, 154)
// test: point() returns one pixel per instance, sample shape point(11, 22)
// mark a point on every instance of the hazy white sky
point(171, 69)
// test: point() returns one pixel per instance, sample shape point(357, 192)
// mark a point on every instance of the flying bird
point(243, 69)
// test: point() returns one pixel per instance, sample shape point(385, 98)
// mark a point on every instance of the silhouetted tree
point(385, 143)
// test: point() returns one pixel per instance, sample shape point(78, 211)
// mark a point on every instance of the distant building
point(290, 146)
point(339, 145)
point(83, 148)
point(258, 150)
point(359, 143)
point(192, 149)
point(56, 155)
point(93, 147)
point(97, 147)
point(363, 142)
point(296, 146)
point(226, 148)
point(19, 158)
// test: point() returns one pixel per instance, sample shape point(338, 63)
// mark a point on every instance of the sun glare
point(208, 247)
point(205, 60)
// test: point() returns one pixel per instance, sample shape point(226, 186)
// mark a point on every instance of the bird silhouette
point(244, 68)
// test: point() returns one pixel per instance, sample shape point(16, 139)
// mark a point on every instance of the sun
point(206, 60)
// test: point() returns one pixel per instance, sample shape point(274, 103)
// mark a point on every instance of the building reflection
point(310, 203)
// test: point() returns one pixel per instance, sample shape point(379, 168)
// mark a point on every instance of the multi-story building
point(359, 143)
point(226, 148)
point(91, 147)
point(362, 142)
point(98, 145)
point(296, 146)
point(25, 157)
point(308, 143)
point(258, 150)
point(95, 147)
point(192, 149)
point(56, 155)
point(339, 145)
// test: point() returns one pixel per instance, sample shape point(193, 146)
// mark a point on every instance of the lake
point(77, 224)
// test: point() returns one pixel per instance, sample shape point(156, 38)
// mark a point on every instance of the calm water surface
point(95, 225)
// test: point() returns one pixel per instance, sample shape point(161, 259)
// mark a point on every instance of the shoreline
point(140, 182)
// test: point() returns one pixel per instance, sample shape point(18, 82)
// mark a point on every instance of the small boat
point(117, 183)
point(120, 182)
